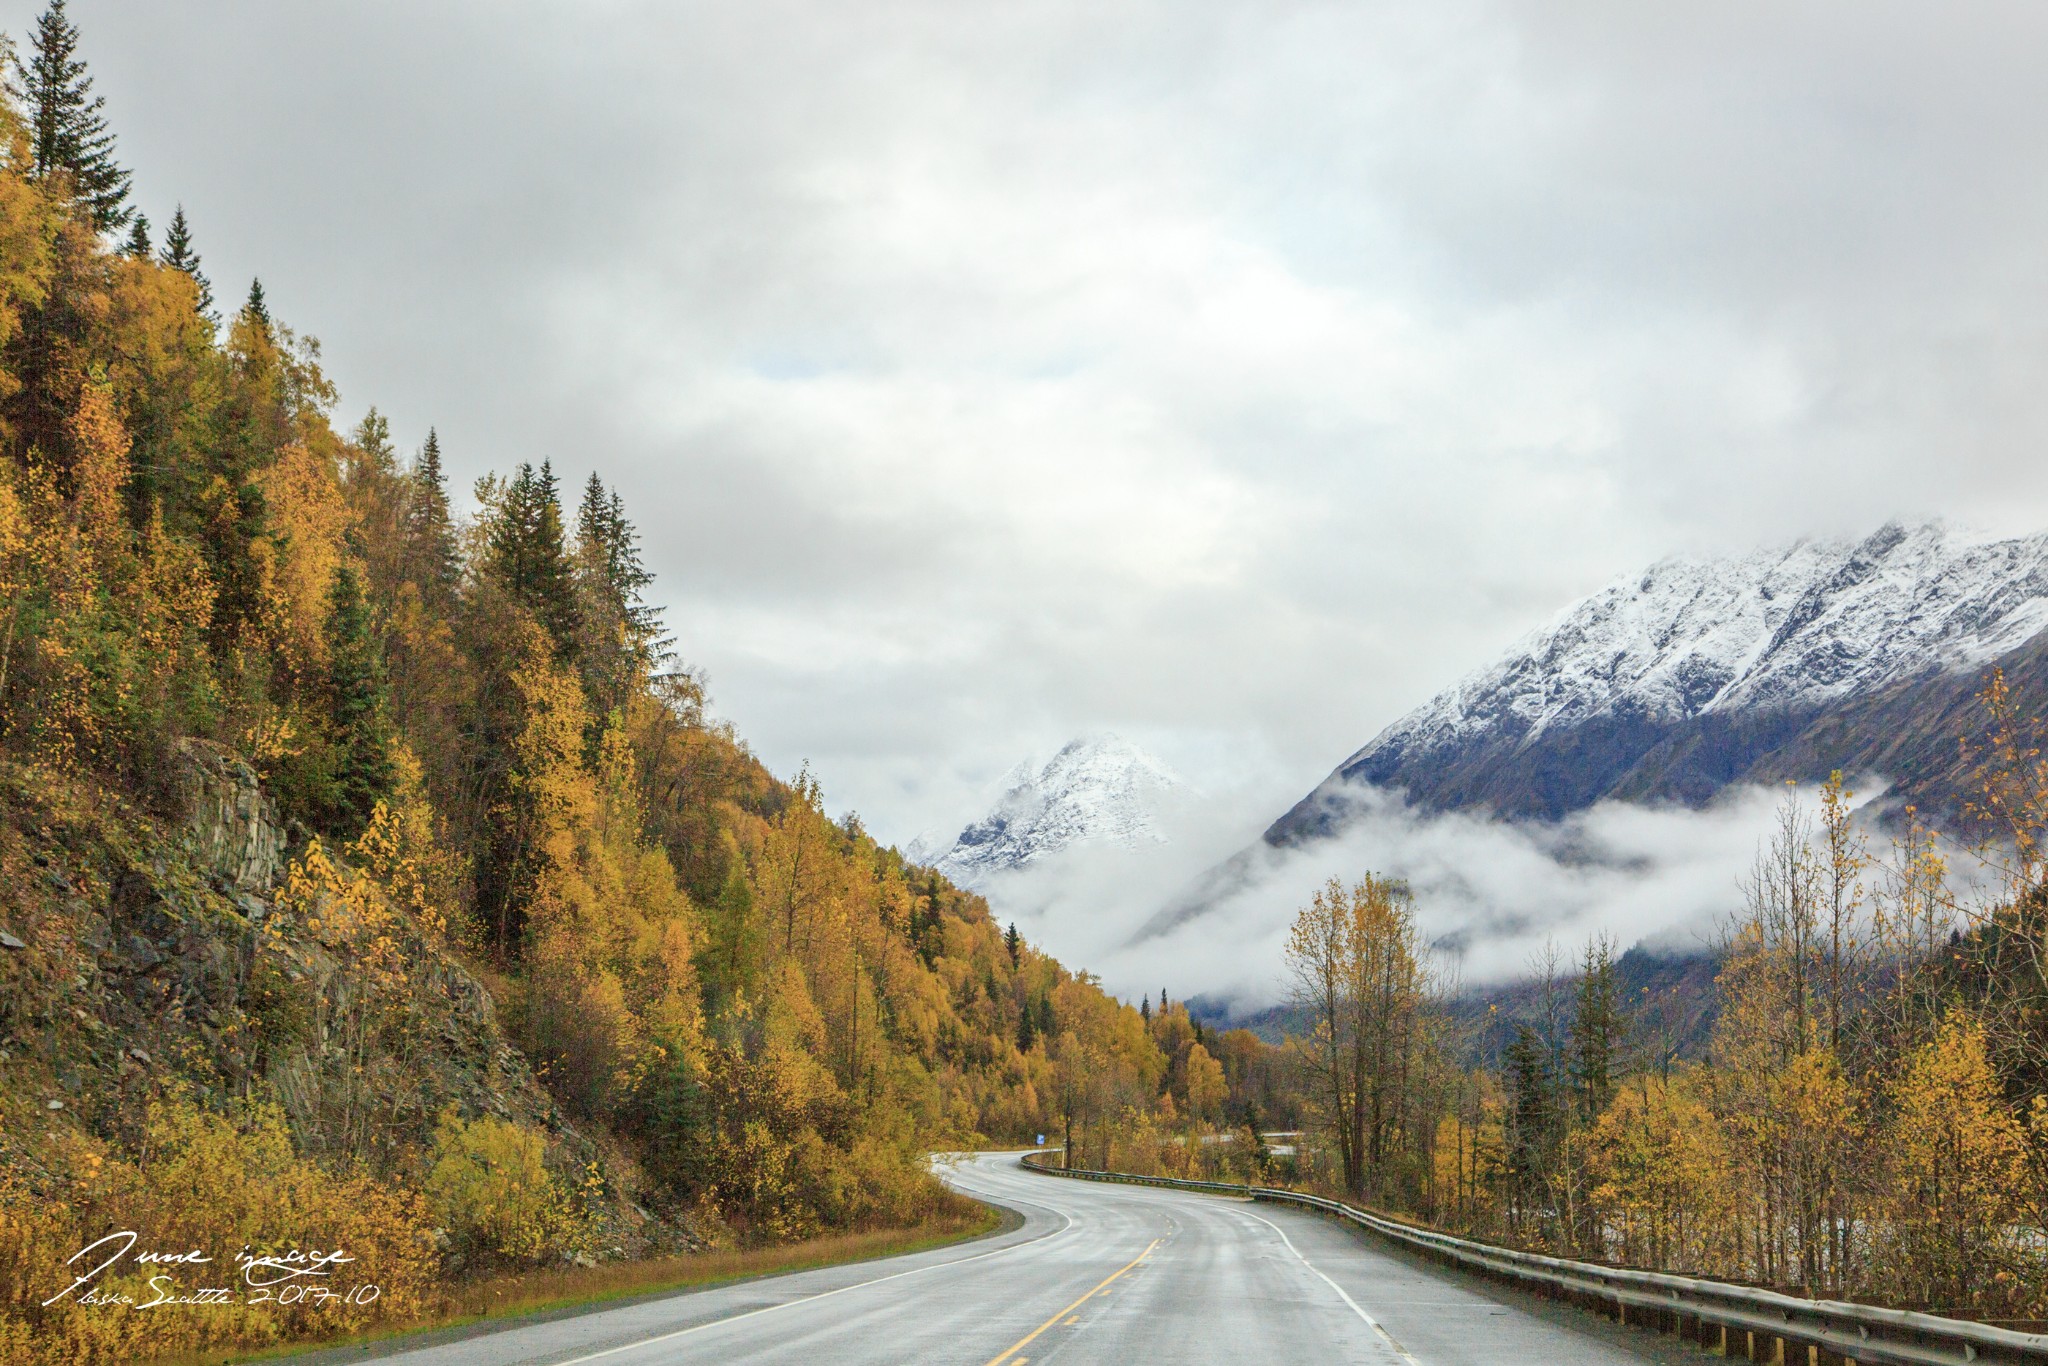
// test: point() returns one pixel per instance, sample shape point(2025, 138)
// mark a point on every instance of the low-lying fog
point(1488, 893)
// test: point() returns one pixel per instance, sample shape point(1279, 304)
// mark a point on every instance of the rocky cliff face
point(231, 828)
point(143, 953)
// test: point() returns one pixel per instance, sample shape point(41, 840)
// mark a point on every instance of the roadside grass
point(515, 1295)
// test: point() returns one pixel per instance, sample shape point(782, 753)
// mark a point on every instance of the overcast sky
point(1231, 376)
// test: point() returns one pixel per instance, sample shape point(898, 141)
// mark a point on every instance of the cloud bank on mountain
point(1489, 894)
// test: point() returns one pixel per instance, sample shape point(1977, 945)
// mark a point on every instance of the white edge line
point(1371, 1322)
point(858, 1285)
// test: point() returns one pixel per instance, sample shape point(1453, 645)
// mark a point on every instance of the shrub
point(490, 1188)
point(220, 1184)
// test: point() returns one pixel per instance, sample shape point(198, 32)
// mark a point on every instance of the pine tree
point(1027, 1029)
point(138, 237)
point(68, 131)
point(527, 554)
point(1598, 1031)
point(1014, 942)
point(358, 706)
point(434, 558)
point(372, 456)
point(257, 309)
point(1531, 1118)
point(621, 640)
point(1145, 1009)
point(178, 254)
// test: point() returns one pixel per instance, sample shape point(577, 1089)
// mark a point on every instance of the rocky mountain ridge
point(1698, 673)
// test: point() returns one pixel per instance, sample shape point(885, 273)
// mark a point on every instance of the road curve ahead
point(1097, 1273)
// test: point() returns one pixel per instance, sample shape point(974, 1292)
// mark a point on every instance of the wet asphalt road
point(1097, 1273)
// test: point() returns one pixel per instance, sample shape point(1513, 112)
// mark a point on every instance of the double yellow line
point(1025, 1341)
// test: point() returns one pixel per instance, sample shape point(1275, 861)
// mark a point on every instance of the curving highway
point(1096, 1273)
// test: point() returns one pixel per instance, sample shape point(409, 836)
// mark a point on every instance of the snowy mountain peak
point(1808, 623)
point(1099, 788)
point(1673, 682)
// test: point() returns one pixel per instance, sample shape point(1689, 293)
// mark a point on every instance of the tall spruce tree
point(68, 131)
point(376, 490)
point(370, 455)
point(1599, 1030)
point(433, 556)
point(358, 700)
point(621, 634)
point(257, 308)
point(1532, 1128)
point(528, 556)
point(138, 237)
point(178, 254)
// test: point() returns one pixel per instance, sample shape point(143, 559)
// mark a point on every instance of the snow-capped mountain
point(1096, 789)
point(1697, 673)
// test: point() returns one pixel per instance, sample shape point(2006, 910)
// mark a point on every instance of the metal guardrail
point(1762, 1325)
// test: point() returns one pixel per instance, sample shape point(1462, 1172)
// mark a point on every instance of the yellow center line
point(1025, 1341)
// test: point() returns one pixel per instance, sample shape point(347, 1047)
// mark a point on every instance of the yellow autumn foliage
point(493, 1196)
point(218, 1184)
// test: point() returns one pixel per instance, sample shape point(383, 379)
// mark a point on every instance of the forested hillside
point(370, 872)
point(1863, 1114)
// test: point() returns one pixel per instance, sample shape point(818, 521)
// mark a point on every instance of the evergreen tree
point(138, 237)
point(1145, 1009)
point(526, 553)
point(621, 634)
point(371, 456)
point(607, 538)
point(257, 309)
point(358, 706)
point(1531, 1117)
point(376, 493)
point(258, 416)
point(435, 558)
point(1027, 1029)
point(1014, 942)
point(68, 131)
point(1598, 1031)
point(178, 254)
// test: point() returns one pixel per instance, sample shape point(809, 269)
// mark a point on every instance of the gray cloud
point(1232, 375)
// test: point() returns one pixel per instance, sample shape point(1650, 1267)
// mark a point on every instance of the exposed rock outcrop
point(156, 954)
point(235, 835)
